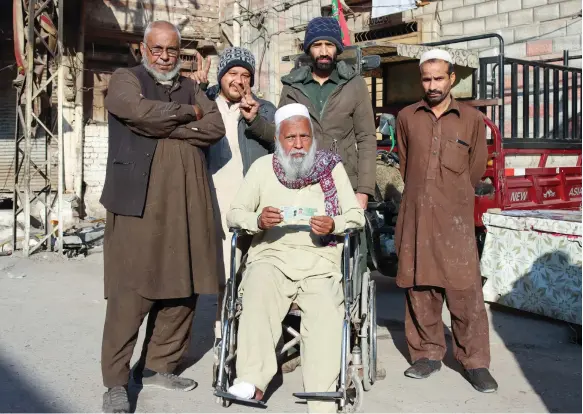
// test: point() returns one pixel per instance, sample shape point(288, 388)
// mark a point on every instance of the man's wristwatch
point(259, 221)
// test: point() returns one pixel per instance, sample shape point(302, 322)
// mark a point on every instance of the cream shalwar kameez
point(287, 263)
point(227, 172)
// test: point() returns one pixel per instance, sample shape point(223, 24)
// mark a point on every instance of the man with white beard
point(293, 260)
point(159, 247)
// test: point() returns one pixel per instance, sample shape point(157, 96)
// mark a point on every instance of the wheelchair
point(358, 369)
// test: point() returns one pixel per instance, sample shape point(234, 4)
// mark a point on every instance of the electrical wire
point(8, 67)
point(267, 9)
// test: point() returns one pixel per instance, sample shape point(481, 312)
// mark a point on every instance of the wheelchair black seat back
point(358, 364)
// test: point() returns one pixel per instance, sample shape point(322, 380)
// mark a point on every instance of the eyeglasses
point(158, 51)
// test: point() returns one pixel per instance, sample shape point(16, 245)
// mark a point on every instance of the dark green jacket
point(345, 125)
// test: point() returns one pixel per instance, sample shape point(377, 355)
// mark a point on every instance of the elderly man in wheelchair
point(304, 218)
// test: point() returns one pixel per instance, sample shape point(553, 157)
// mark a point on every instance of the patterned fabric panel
point(551, 221)
point(534, 271)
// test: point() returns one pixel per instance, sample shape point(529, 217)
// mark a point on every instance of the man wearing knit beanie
point(323, 30)
point(340, 108)
point(230, 159)
point(339, 104)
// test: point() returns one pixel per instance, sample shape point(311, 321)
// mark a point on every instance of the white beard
point(295, 167)
point(159, 76)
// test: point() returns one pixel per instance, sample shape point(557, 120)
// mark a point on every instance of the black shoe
point(167, 381)
point(481, 379)
point(115, 400)
point(423, 368)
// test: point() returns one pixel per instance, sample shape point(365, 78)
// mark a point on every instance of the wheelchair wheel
point(229, 378)
point(372, 331)
point(228, 342)
point(369, 340)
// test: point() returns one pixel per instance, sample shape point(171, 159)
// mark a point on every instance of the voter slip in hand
point(291, 214)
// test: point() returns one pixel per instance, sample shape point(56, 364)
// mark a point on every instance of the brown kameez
point(441, 160)
point(170, 251)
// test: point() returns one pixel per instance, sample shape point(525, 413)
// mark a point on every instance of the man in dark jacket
point(236, 76)
point(230, 159)
point(159, 238)
point(339, 105)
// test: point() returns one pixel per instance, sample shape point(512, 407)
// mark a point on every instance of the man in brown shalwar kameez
point(159, 248)
point(443, 155)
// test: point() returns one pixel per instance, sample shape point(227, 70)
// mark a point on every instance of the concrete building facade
point(532, 29)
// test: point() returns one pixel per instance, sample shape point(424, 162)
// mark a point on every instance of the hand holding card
point(322, 225)
point(269, 217)
point(295, 214)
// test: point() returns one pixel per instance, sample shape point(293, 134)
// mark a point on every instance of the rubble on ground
point(77, 239)
point(83, 236)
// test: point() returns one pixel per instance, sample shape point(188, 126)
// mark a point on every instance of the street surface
point(51, 321)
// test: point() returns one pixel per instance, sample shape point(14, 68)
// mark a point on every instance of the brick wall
point(127, 18)
point(94, 163)
point(530, 28)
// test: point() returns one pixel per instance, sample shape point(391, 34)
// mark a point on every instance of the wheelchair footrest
point(242, 401)
point(319, 396)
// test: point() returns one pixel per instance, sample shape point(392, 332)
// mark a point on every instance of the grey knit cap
point(236, 56)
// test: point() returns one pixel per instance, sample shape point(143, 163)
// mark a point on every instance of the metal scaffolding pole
point(28, 131)
point(34, 178)
point(61, 97)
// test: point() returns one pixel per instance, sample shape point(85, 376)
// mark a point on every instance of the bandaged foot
point(246, 391)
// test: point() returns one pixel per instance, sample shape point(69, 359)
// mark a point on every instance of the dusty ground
point(50, 334)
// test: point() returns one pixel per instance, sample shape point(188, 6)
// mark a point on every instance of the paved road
point(51, 316)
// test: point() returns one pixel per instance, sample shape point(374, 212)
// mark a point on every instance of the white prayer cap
point(436, 54)
point(287, 111)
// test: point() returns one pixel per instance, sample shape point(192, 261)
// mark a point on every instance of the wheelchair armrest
point(239, 235)
point(239, 231)
point(351, 233)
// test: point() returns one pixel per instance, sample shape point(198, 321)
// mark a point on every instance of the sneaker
point(291, 365)
point(167, 381)
point(423, 368)
point(482, 380)
point(115, 400)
